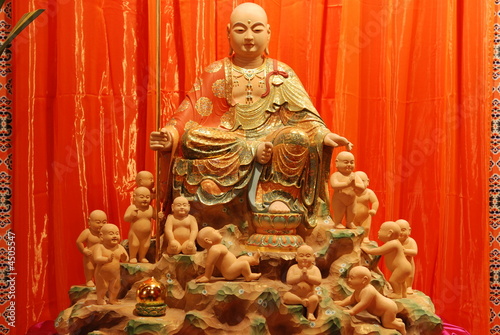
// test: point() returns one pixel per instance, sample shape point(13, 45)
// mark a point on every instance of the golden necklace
point(249, 75)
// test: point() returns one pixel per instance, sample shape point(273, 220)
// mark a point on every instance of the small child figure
point(107, 257)
point(363, 212)
point(366, 297)
point(218, 256)
point(303, 277)
point(146, 179)
point(395, 258)
point(181, 229)
point(411, 250)
point(139, 214)
point(346, 185)
point(87, 239)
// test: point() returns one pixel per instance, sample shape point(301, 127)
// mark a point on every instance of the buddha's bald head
point(248, 10)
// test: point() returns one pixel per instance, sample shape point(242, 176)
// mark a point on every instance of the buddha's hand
point(334, 140)
point(160, 140)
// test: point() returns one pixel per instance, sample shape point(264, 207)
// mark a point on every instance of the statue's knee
point(294, 136)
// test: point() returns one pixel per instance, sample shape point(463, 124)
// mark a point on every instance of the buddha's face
point(249, 32)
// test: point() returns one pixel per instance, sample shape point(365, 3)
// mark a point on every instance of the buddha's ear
point(228, 29)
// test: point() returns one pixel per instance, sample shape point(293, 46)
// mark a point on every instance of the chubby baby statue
point(107, 257)
point(411, 250)
point(139, 214)
point(394, 256)
point(146, 179)
point(366, 206)
point(303, 277)
point(346, 185)
point(181, 229)
point(218, 256)
point(86, 241)
point(366, 297)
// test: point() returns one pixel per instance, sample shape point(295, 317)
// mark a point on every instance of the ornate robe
point(219, 139)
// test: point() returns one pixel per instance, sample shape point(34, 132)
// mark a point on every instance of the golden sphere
point(151, 292)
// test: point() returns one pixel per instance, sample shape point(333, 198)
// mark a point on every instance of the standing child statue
point(107, 257)
point(394, 256)
point(139, 214)
point(411, 250)
point(181, 229)
point(363, 213)
point(87, 239)
point(303, 277)
point(218, 256)
point(366, 297)
point(346, 185)
point(146, 179)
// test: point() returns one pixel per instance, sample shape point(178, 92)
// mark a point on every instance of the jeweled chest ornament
point(249, 75)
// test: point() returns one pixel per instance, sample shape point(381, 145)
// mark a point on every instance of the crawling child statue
point(366, 297)
point(218, 256)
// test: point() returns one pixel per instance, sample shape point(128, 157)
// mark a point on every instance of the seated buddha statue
point(249, 127)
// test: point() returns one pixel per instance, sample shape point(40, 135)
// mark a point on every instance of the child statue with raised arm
point(346, 185)
point(87, 239)
point(394, 257)
point(139, 214)
point(303, 276)
point(107, 257)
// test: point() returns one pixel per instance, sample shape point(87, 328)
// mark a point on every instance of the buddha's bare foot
point(253, 276)
point(133, 260)
point(90, 283)
point(409, 290)
point(311, 317)
point(101, 302)
point(264, 152)
point(278, 207)
point(351, 225)
point(340, 226)
point(366, 240)
point(212, 187)
point(144, 260)
point(114, 302)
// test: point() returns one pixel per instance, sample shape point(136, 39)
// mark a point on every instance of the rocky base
point(239, 307)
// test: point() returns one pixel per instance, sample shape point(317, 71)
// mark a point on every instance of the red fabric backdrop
point(407, 81)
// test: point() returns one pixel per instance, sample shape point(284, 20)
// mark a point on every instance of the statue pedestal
point(276, 232)
point(239, 307)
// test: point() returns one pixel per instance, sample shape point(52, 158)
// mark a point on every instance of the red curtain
point(407, 81)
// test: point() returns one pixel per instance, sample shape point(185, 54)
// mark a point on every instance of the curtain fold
point(407, 81)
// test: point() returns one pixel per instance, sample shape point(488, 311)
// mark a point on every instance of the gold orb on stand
point(151, 298)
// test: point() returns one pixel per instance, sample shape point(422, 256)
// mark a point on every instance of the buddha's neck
point(247, 63)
